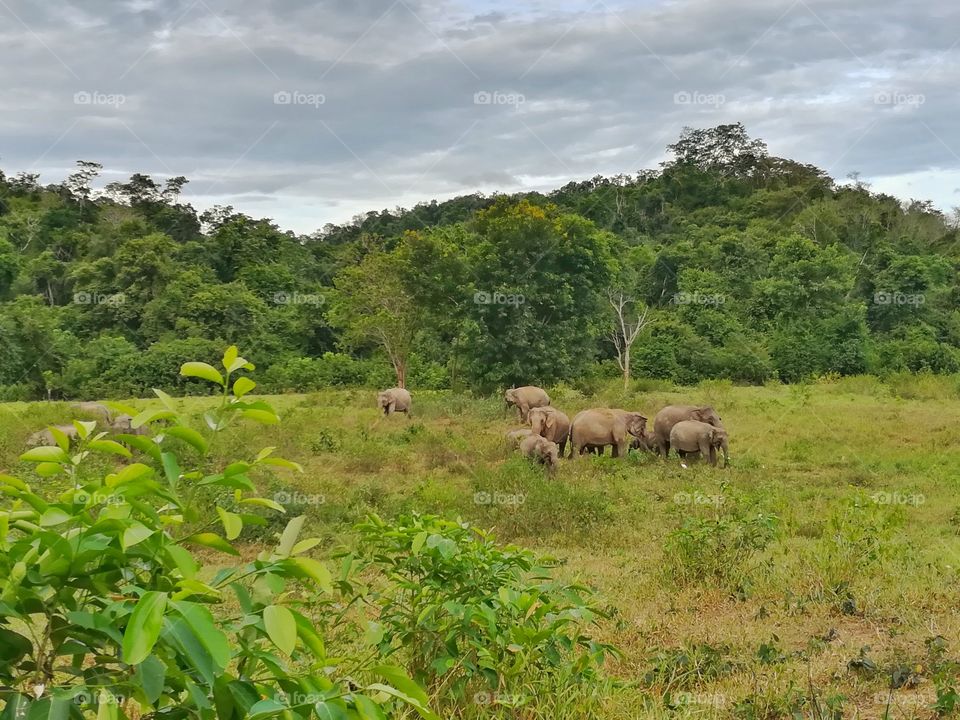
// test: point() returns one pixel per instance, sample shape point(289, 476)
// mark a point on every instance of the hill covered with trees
point(725, 262)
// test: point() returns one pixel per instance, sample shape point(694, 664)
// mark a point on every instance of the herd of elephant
point(103, 414)
point(692, 431)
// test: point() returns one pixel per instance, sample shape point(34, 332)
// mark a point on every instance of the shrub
point(105, 610)
point(469, 618)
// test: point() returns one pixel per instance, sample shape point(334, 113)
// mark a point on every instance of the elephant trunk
point(726, 452)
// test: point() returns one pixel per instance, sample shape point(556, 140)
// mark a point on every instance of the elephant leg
point(615, 450)
point(663, 448)
point(622, 449)
point(707, 452)
point(563, 445)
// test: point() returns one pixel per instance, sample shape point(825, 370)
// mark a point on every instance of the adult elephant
point(672, 414)
point(98, 410)
point(552, 424)
point(395, 400)
point(525, 398)
point(693, 436)
point(600, 427)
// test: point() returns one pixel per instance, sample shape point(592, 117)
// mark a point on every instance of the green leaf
point(136, 533)
point(281, 627)
point(47, 453)
point(188, 435)
point(170, 467)
point(212, 540)
point(54, 516)
point(314, 569)
point(280, 462)
point(229, 355)
point(232, 524)
point(48, 469)
point(150, 675)
point(148, 416)
point(84, 427)
point(266, 708)
point(400, 680)
point(165, 399)
point(373, 634)
point(201, 623)
point(143, 628)
point(289, 536)
point(264, 502)
point(129, 474)
point(109, 446)
point(264, 417)
point(368, 709)
point(418, 542)
point(201, 370)
point(61, 438)
point(242, 386)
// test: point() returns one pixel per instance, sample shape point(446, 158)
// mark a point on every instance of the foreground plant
point(106, 610)
point(474, 622)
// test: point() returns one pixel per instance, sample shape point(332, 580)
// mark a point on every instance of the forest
point(724, 262)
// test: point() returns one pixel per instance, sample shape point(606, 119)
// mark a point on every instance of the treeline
point(725, 262)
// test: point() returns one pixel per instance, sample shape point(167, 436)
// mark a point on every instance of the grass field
point(820, 571)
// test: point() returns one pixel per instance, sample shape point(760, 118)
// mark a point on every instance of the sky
point(313, 112)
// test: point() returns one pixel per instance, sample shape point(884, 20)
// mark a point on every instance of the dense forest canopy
point(727, 262)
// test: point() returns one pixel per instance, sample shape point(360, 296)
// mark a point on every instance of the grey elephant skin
point(672, 414)
point(525, 398)
point(693, 436)
point(552, 424)
point(99, 410)
point(541, 450)
point(600, 427)
point(514, 437)
point(395, 400)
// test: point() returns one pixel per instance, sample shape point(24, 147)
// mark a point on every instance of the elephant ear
point(550, 421)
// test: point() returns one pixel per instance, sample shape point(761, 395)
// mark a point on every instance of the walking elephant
point(526, 397)
point(604, 426)
point(693, 436)
point(672, 414)
point(552, 424)
point(395, 400)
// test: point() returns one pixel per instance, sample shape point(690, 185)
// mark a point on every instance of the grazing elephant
point(603, 426)
point(394, 400)
point(123, 424)
point(672, 414)
point(515, 436)
point(526, 397)
point(552, 424)
point(101, 411)
point(542, 450)
point(693, 436)
point(45, 437)
point(645, 444)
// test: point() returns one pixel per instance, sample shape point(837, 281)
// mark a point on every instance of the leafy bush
point(106, 610)
point(721, 548)
point(469, 618)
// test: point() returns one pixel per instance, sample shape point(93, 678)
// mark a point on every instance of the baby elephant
point(124, 424)
point(395, 400)
point(693, 436)
point(514, 437)
point(541, 449)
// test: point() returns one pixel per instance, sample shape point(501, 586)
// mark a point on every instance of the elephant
point(550, 423)
point(541, 449)
point(515, 436)
point(605, 426)
point(526, 397)
point(672, 414)
point(394, 400)
point(693, 436)
point(645, 444)
point(45, 437)
point(101, 411)
point(123, 424)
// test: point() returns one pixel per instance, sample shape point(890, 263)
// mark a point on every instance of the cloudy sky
point(313, 111)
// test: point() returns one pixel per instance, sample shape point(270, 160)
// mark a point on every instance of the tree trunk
point(401, 369)
point(626, 368)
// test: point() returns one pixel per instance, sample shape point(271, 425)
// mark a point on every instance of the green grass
point(863, 478)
